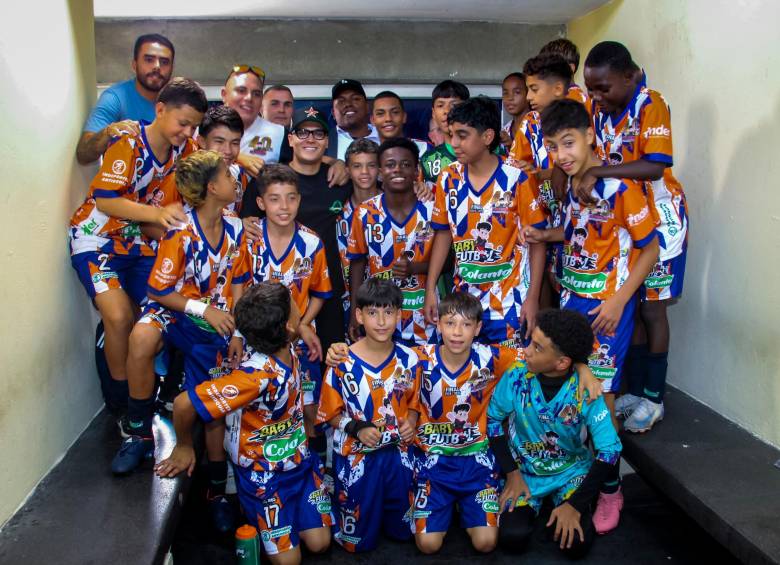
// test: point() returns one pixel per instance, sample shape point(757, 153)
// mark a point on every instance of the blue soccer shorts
point(100, 272)
point(283, 504)
point(205, 351)
point(372, 494)
point(665, 281)
point(609, 351)
point(443, 481)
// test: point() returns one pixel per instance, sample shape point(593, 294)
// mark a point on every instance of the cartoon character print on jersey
point(602, 362)
point(546, 448)
point(390, 421)
point(660, 277)
point(575, 257)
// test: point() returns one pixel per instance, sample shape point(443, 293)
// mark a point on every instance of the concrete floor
point(652, 530)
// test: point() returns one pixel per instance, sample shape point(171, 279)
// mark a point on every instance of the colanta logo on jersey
point(279, 449)
point(320, 500)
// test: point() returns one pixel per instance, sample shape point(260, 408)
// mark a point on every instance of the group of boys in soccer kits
point(476, 400)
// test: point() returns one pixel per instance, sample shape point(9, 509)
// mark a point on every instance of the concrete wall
point(716, 63)
point(304, 51)
point(48, 388)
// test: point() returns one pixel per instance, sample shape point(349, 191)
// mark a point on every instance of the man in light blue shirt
point(123, 104)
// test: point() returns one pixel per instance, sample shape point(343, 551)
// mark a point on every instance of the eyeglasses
point(317, 134)
point(240, 69)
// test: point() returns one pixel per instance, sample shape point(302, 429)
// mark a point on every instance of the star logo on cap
point(311, 112)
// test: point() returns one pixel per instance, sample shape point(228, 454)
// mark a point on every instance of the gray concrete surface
point(314, 51)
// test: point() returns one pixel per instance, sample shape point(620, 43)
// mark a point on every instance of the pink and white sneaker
point(607, 514)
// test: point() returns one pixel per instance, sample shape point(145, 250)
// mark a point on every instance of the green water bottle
point(247, 552)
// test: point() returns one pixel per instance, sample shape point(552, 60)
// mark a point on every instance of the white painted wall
point(48, 387)
point(717, 62)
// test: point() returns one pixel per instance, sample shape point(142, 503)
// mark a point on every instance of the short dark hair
point(221, 116)
point(564, 114)
point(519, 76)
point(262, 314)
point(569, 331)
point(463, 303)
point(389, 94)
point(362, 145)
point(182, 91)
point(450, 89)
point(275, 174)
point(277, 87)
point(480, 113)
point(403, 142)
point(549, 67)
point(612, 55)
point(152, 38)
point(565, 48)
point(378, 292)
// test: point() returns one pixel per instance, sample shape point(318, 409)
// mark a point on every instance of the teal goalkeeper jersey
point(547, 438)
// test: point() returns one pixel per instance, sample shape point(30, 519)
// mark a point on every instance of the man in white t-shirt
point(263, 141)
point(350, 109)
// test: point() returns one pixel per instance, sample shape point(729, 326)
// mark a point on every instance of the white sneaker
point(625, 405)
point(644, 416)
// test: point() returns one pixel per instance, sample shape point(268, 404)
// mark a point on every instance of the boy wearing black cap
point(350, 109)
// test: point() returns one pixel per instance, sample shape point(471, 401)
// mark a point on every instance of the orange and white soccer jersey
point(528, 144)
point(484, 221)
point(263, 402)
point(600, 241)
point(242, 179)
point(302, 267)
point(644, 131)
point(382, 395)
point(377, 237)
point(576, 93)
point(186, 263)
point(453, 405)
point(129, 170)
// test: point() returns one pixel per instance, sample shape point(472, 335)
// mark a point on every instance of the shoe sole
point(643, 430)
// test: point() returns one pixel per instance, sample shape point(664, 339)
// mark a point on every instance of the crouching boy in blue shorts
point(279, 480)
point(367, 399)
point(200, 268)
point(546, 419)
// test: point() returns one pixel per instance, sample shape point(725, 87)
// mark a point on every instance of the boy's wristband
point(195, 308)
point(237, 333)
point(353, 427)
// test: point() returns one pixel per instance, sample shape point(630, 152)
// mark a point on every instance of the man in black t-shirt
point(319, 209)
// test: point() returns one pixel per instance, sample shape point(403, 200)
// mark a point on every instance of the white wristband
point(237, 333)
point(195, 308)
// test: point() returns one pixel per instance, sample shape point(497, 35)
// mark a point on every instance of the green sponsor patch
point(279, 449)
point(202, 324)
point(413, 299)
point(583, 283)
point(479, 274)
point(659, 282)
point(603, 372)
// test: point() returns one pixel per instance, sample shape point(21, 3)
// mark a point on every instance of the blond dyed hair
point(193, 174)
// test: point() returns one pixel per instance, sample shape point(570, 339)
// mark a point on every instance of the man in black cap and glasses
point(350, 109)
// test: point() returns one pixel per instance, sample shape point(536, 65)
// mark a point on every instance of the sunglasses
point(241, 69)
point(317, 134)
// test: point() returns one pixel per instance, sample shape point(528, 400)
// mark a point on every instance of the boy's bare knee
point(484, 540)
point(317, 541)
point(429, 543)
point(144, 341)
